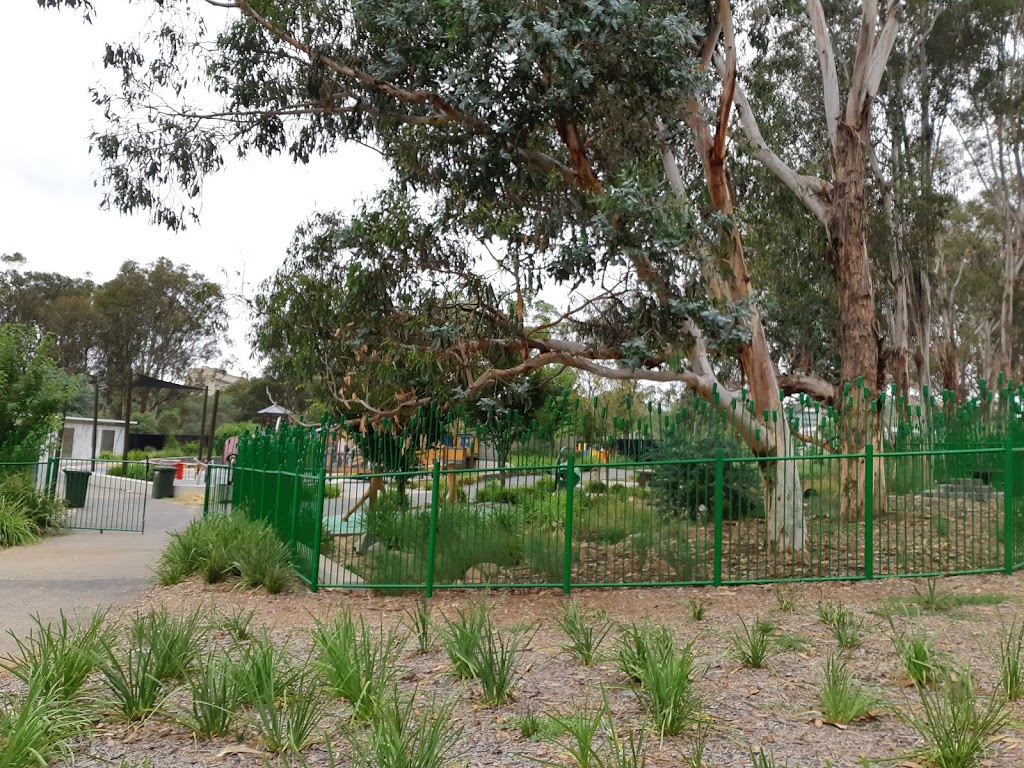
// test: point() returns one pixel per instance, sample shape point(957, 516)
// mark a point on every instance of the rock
point(483, 573)
point(364, 543)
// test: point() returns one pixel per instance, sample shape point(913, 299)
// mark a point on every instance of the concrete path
point(82, 570)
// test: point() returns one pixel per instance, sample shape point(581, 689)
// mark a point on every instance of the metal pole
point(719, 503)
point(1009, 534)
point(124, 453)
point(202, 424)
point(213, 425)
point(435, 493)
point(570, 485)
point(869, 511)
point(95, 419)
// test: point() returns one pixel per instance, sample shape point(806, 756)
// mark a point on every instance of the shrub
point(689, 489)
point(496, 493)
point(131, 471)
point(43, 510)
point(16, 530)
point(403, 735)
point(223, 546)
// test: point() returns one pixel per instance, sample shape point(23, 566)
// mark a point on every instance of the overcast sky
point(49, 206)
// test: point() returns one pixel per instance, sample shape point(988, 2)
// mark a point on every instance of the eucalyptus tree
point(559, 135)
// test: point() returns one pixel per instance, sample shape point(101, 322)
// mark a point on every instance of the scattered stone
point(364, 543)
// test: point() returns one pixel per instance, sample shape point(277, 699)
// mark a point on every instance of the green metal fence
point(98, 495)
point(662, 496)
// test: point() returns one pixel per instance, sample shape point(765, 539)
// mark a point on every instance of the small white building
point(76, 439)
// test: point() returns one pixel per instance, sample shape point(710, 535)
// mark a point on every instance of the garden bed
point(774, 709)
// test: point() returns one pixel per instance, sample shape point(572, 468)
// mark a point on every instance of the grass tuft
point(356, 662)
point(586, 631)
point(842, 700)
point(956, 724)
point(921, 661)
point(35, 727)
point(754, 645)
point(403, 735)
point(1011, 661)
point(59, 657)
point(214, 686)
point(174, 641)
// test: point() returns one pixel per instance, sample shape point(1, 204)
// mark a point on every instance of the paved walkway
point(82, 570)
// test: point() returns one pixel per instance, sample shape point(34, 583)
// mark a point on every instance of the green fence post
point(719, 503)
point(570, 485)
point(1008, 511)
point(435, 496)
point(206, 491)
point(318, 533)
point(869, 511)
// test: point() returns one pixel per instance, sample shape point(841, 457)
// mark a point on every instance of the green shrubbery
point(689, 489)
point(25, 512)
point(219, 547)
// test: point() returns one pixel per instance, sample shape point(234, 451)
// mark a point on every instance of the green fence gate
point(100, 495)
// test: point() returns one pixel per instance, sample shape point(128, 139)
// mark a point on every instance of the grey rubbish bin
point(163, 482)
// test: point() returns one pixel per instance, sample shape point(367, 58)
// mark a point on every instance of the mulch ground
point(774, 708)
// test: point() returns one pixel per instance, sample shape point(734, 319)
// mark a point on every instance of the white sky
point(49, 206)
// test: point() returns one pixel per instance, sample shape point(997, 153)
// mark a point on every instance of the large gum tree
point(580, 143)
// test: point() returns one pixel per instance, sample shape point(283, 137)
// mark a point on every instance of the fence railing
point(708, 520)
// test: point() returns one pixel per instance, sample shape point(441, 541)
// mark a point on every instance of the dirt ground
point(774, 708)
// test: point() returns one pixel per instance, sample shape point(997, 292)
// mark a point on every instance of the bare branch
point(827, 60)
point(818, 388)
point(811, 191)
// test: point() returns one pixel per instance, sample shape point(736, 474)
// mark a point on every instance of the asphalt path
point(82, 571)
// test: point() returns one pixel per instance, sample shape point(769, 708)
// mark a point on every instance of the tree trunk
point(859, 338)
point(783, 488)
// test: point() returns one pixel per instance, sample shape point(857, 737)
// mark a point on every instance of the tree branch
point(811, 191)
point(827, 61)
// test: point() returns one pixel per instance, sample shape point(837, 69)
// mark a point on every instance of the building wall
point(110, 438)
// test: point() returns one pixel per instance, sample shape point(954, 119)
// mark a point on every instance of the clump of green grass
point(288, 722)
point(417, 619)
point(495, 493)
point(697, 609)
point(131, 676)
point(955, 723)
point(785, 599)
point(846, 628)
point(585, 747)
point(16, 530)
point(35, 728)
point(59, 657)
point(479, 650)
point(214, 686)
point(219, 547)
point(668, 688)
point(264, 670)
point(174, 641)
point(1011, 661)
point(931, 600)
point(637, 643)
point(921, 661)
point(842, 700)
point(586, 631)
point(461, 638)
point(762, 759)
point(357, 662)
point(754, 645)
point(238, 624)
point(402, 735)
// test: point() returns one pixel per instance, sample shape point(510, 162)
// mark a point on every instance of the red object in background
point(180, 474)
